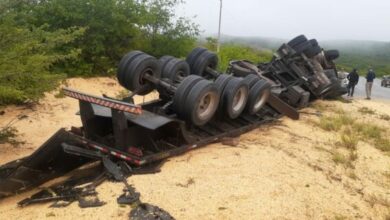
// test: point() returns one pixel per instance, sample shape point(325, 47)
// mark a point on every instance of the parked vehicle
point(342, 75)
point(385, 81)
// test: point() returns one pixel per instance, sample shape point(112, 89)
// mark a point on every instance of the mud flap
point(282, 107)
point(46, 163)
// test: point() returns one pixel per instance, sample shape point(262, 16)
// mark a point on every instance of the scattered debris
point(146, 211)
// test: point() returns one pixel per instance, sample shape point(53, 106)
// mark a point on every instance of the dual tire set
point(311, 48)
point(196, 96)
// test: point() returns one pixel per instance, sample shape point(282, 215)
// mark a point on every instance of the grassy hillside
point(362, 55)
point(354, 54)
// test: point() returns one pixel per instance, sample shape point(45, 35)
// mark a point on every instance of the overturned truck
point(197, 105)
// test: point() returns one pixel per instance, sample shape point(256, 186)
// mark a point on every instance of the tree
point(114, 27)
point(27, 59)
point(42, 41)
point(162, 34)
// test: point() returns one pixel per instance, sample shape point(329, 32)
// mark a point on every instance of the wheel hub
point(239, 99)
point(206, 105)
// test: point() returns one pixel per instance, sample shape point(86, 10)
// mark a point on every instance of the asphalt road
point(378, 91)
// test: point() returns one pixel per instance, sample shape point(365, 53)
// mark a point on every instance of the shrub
point(10, 95)
point(353, 131)
point(339, 158)
point(349, 139)
point(335, 123)
point(230, 52)
point(9, 135)
point(383, 144)
point(385, 117)
point(366, 111)
point(27, 58)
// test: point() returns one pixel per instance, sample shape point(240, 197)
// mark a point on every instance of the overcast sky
point(321, 19)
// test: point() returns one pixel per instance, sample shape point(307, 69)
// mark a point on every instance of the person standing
point(353, 79)
point(370, 80)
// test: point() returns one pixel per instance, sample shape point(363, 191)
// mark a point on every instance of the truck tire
point(123, 65)
point(201, 103)
point(204, 60)
point(164, 60)
point(313, 42)
point(332, 54)
point(137, 68)
point(182, 91)
point(297, 40)
point(302, 47)
point(191, 57)
point(258, 96)
point(235, 97)
point(176, 70)
point(313, 50)
point(251, 80)
point(222, 81)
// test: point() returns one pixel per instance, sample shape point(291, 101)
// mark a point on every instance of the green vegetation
point(335, 123)
point(60, 94)
point(42, 42)
point(383, 144)
point(352, 131)
point(348, 139)
point(27, 57)
point(9, 135)
point(363, 55)
point(366, 111)
point(232, 51)
point(122, 94)
point(338, 157)
point(346, 160)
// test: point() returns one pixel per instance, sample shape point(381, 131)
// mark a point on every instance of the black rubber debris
point(149, 212)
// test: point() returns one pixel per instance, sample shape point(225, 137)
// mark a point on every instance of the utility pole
point(219, 28)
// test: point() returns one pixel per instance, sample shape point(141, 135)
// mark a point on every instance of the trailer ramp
point(46, 163)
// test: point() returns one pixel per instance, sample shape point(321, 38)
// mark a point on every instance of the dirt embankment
point(285, 170)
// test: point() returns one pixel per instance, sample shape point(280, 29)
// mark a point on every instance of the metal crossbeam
point(113, 104)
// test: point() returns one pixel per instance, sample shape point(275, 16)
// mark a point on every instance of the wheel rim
point(141, 77)
point(207, 106)
point(239, 99)
point(180, 74)
point(261, 101)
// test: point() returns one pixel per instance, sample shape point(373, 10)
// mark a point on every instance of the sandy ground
point(279, 171)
